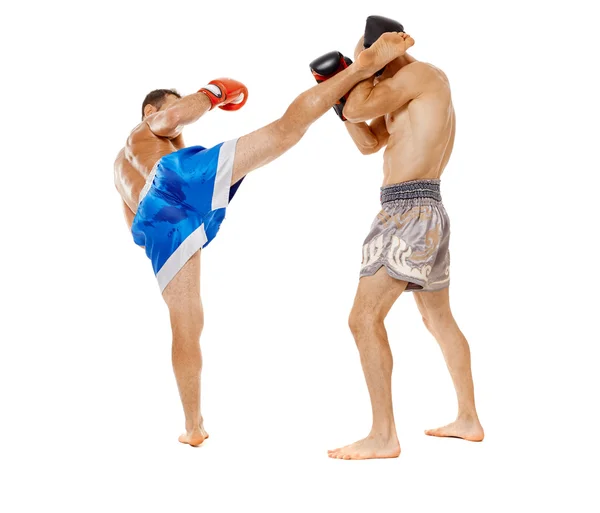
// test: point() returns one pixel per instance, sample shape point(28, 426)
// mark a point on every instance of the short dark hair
point(157, 98)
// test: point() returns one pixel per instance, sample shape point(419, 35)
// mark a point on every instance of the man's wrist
point(204, 99)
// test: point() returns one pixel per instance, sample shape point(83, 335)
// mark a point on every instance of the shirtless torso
point(421, 133)
point(143, 149)
point(413, 119)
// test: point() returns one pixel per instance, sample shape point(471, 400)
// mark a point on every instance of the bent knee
point(362, 321)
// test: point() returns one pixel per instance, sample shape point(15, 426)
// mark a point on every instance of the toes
point(443, 432)
point(339, 455)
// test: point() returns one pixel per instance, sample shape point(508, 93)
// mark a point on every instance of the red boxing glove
point(226, 93)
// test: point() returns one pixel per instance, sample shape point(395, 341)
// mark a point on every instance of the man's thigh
point(182, 294)
point(377, 293)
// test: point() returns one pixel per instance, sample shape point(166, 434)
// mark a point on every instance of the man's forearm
point(363, 137)
point(361, 134)
point(191, 108)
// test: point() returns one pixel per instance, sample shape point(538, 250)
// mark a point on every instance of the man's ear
point(149, 109)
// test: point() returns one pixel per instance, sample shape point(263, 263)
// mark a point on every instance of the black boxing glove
point(377, 25)
point(327, 66)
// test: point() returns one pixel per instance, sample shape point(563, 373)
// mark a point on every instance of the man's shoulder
point(141, 130)
point(426, 77)
point(436, 74)
point(422, 70)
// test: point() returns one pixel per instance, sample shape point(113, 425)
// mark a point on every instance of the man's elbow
point(355, 113)
point(352, 112)
point(166, 124)
point(172, 119)
point(368, 150)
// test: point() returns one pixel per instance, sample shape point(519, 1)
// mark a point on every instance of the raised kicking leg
point(375, 296)
point(438, 318)
point(182, 296)
point(270, 142)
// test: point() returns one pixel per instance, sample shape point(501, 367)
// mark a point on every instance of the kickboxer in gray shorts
point(409, 107)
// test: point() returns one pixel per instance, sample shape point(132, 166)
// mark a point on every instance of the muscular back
point(421, 132)
point(136, 160)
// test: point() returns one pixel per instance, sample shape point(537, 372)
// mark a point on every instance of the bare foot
point(388, 47)
point(465, 428)
point(368, 448)
point(194, 437)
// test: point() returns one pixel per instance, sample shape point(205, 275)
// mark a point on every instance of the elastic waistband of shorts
point(412, 190)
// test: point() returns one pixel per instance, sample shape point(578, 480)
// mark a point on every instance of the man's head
point(159, 99)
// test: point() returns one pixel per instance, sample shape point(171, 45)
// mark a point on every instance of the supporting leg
point(182, 296)
point(438, 318)
point(375, 296)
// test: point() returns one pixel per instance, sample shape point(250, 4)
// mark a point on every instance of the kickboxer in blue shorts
point(175, 198)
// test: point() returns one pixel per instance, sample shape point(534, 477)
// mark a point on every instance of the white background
point(90, 411)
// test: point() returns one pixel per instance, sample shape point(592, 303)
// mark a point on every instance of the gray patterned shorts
point(410, 236)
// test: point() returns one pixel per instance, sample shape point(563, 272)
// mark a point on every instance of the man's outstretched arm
point(225, 93)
